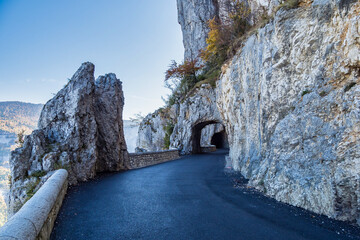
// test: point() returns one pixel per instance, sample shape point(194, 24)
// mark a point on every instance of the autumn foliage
point(223, 33)
point(186, 70)
point(180, 78)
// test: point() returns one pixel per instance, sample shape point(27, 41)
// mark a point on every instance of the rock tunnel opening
point(219, 139)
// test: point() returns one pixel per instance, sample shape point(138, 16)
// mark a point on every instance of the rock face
point(195, 113)
point(193, 16)
point(208, 132)
point(198, 109)
point(290, 102)
point(151, 133)
point(109, 103)
point(80, 129)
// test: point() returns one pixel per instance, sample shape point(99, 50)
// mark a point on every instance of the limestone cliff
point(80, 129)
point(152, 130)
point(196, 112)
point(290, 101)
point(194, 15)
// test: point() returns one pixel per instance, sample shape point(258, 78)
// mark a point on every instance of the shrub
point(305, 92)
point(168, 128)
point(137, 119)
point(323, 94)
point(30, 188)
point(20, 138)
point(181, 73)
point(223, 35)
point(180, 78)
point(38, 174)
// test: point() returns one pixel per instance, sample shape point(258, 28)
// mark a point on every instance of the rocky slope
point(80, 129)
point(290, 101)
point(14, 117)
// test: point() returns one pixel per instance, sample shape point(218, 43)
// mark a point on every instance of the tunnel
point(218, 139)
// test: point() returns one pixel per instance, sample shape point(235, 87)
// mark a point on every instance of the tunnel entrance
point(219, 139)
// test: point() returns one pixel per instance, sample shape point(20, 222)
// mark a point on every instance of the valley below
point(6, 142)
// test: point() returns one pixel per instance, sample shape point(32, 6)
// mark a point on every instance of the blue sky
point(42, 43)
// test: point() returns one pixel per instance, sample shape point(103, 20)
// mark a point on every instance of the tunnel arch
point(196, 135)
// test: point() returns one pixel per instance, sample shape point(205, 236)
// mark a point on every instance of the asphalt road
point(189, 198)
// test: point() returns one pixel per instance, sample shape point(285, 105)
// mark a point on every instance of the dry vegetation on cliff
point(222, 41)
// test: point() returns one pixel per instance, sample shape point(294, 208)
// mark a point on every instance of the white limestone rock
point(152, 129)
point(193, 16)
point(80, 129)
point(208, 132)
point(195, 112)
point(290, 102)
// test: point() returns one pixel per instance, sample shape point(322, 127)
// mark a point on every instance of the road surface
point(189, 198)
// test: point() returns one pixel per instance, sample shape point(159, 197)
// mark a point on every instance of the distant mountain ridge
point(15, 116)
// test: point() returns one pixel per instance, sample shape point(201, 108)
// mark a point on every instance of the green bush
point(38, 174)
point(30, 189)
point(168, 128)
point(305, 92)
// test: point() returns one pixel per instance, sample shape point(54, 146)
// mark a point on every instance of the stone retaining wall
point(207, 149)
point(36, 218)
point(139, 160)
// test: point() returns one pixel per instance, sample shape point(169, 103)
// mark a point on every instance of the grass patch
point(38, 174)
point(209, 77)
point(30, 189)
point(168, 128)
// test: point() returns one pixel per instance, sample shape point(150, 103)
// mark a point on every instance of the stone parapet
point(35, 220)
point(139, 160)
